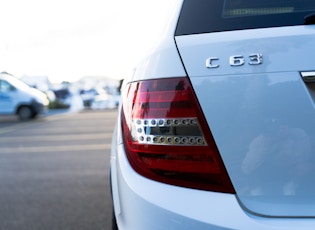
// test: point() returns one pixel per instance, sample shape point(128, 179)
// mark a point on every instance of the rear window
point(205, 16)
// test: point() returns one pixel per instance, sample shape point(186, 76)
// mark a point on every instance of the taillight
point(166, 136)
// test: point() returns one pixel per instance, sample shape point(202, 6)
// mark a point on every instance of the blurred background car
point(100, 98)
point(89, 94)
point(17, 98)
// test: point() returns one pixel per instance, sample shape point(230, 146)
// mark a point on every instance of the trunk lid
point(260, 112)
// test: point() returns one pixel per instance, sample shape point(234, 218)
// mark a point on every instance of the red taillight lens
point(166, 137)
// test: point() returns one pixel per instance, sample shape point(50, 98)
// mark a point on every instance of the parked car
point(216, 128)
point(107, 100)
point(17, 98)
point(89, 95)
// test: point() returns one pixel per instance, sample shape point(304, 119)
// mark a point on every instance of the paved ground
point(54, 172)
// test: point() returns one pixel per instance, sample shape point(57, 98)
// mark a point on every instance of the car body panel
point(157, 64)
point(282, 50)
point(262, 116)
point(259, 108)
point(142, 204)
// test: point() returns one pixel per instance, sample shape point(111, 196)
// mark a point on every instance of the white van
point(18, 98)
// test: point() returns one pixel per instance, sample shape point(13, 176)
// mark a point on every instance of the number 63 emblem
point(236, 60)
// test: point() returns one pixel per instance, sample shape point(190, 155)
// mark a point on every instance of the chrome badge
point(236, 60)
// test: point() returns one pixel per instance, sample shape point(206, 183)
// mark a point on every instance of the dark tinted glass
point(204, 16)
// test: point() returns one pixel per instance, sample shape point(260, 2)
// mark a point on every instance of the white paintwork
point(262, 116)
point(249, 109)
point(144, 204)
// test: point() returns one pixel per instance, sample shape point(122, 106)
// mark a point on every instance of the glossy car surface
point(216, 127)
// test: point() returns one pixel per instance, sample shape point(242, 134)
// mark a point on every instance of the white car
point(216, 129)
point(17, 98)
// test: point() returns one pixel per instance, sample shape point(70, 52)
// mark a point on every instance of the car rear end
point(216, 127)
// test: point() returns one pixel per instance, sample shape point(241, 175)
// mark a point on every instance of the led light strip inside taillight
point(180, 131)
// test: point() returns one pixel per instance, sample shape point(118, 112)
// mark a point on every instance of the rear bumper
point(141, 203)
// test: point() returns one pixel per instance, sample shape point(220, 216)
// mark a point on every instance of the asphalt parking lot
point(54, 171)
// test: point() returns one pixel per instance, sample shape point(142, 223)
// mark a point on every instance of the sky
point(69, 39)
